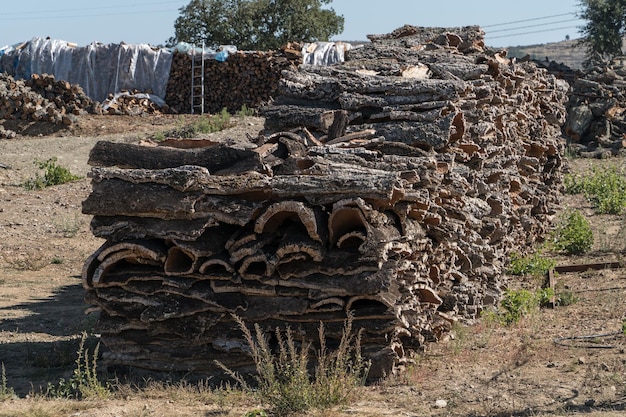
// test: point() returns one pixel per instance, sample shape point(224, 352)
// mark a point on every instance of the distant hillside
point(566, 52)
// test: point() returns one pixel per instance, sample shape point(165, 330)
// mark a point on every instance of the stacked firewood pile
point(596, 119)
point(394, 187)
point(245, 78)
point(134, 103)
point(42, 99)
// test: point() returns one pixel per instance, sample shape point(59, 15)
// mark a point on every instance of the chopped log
point(245, 79)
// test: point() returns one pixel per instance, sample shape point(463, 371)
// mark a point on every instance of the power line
point(533, 26)
point(86, 9)
point(528, 20)
point(86, 15)
point(152, 12)
point(531, 32)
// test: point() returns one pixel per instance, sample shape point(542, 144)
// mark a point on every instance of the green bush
point(213, 123)
point(535, 264)
point(54, 174)
point(573, 234)
point(245, 111)
point(516, 304)
point(566, 297)
point(605, 188)
point(283, 378)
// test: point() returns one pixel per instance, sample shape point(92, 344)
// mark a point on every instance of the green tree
point(605, 27)
point(255, 24)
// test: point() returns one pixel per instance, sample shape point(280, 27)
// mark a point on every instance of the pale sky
point(507, 23)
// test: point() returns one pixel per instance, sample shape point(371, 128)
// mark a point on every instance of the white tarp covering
point(100, 69)
point(324, 53)
point(221, 54)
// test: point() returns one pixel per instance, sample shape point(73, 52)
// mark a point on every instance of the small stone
point(582, 361)
point(441, 404)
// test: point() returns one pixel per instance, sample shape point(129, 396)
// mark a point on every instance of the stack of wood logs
point(394, 187)
point(245, 78)
point(133, 103)
point(42, 99)
point(596, 119)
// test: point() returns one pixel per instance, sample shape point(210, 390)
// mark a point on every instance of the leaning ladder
point(197, 80)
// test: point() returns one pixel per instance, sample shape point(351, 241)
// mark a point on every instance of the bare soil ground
point(483, 370)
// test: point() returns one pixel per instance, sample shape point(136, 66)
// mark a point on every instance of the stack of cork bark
point(42, 99)
point(596, 119)
point(245, 78)
point(393, 186)
point(491, 126)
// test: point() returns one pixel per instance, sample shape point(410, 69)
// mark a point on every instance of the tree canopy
point(255, 24)
point(605, 27)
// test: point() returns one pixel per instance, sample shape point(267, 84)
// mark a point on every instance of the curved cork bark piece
point(287, 211)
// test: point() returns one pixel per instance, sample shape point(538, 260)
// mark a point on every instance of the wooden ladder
point(197, 80)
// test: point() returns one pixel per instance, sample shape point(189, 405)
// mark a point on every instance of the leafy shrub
point(535, 264)
point(573, 234)
point(213, 123)
point(245, 111)
point(283, 378)
point(54, 174)
point(605, 188)
point(519, 303)
point(566, 297)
